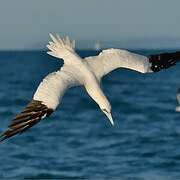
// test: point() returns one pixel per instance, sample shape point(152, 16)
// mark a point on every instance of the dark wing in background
point(32, 114)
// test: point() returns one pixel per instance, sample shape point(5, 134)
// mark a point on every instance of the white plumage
point(52, 88)
point(111, 59)
point(74, 72)
point(85, 72)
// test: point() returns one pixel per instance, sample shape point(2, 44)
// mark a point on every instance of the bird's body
point(86, 72)
point(75, 73)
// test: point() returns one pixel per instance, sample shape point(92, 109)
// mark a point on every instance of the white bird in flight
point(86, 72)
point(178, 101)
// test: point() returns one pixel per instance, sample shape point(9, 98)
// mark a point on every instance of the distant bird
point(86, 72)
point(178, 100)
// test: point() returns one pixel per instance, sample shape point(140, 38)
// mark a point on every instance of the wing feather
point(111, 59)
point(63, 48)
point(45, 101)
point(32, 114)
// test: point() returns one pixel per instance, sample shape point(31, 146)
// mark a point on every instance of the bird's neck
point(96, 93)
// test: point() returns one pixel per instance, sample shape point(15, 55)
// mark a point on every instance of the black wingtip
point(163, 61)
point(33, 113)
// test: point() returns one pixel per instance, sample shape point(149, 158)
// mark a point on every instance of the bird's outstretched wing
point(45, 101)
point(111, 59)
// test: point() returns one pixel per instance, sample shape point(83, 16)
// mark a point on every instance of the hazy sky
point(26, 23)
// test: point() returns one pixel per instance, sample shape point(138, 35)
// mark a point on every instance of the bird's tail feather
point(60, 47)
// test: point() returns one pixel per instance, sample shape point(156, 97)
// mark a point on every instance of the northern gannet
point(86, 72)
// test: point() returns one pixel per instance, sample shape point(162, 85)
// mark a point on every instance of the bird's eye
point(105, 110)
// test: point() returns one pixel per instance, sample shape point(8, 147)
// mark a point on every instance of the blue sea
point(77, 141)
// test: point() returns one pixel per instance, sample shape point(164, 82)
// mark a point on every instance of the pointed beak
point(110, 117)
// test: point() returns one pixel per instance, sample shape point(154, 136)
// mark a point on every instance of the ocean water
point(77, 141)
